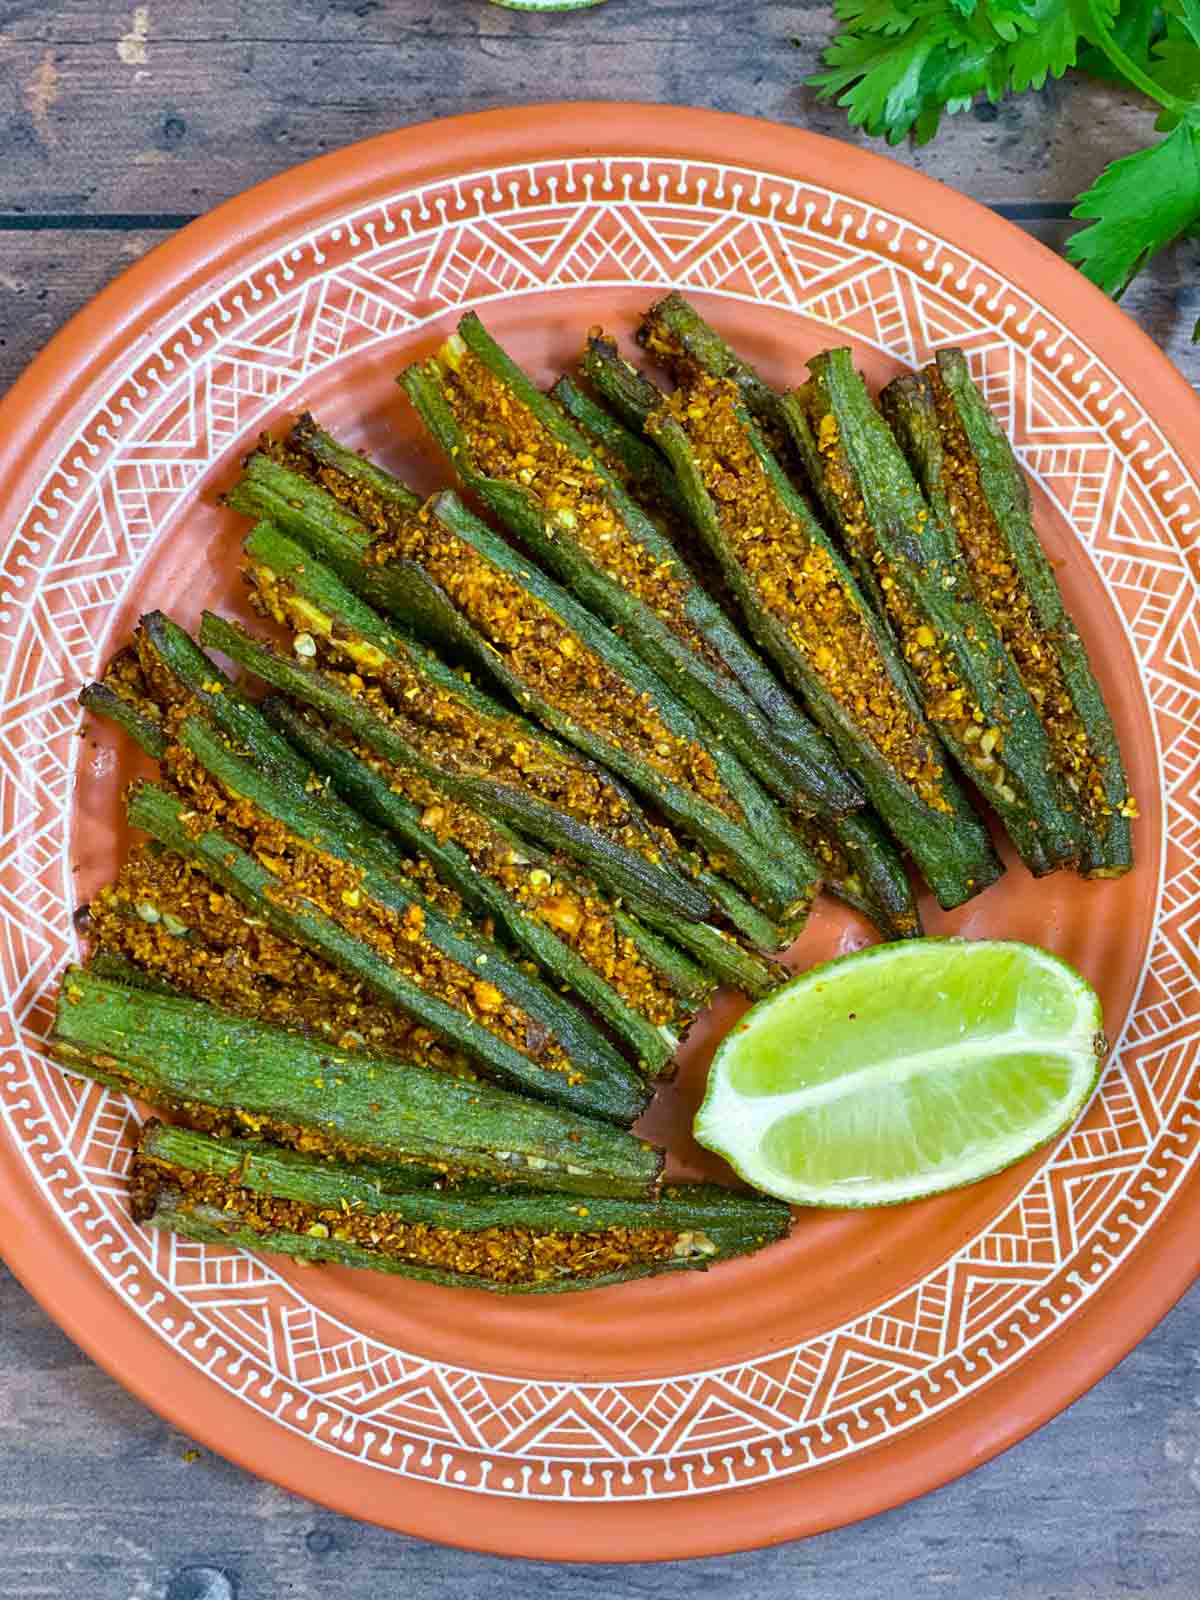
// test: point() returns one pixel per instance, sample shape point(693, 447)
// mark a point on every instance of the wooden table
point(120, 123)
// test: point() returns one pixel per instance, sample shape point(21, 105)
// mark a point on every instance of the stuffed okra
point(561, 665)
point(908, 562)
point(970, 474)
point(859, 863)
point(285, 859)
point(526, 460)
point(231, 1192)
point(227, 1074)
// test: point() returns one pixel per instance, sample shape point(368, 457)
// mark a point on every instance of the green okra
point(610, 859)
point(650, 477)
point(117, 968)
point(812, 618)
point(222, 1191)
point(625, 571)
point(212, 1067)
point(176, 676)
point(968, 471)
point(370, 796)
point(613, 720)
point(604, 1086)
point(678, 338)
point(485, 894)
point(138, 721)
point(860, 865)
point(596, 1070)
point(908, 563)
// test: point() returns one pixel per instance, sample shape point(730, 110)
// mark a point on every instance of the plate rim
point(41, 405)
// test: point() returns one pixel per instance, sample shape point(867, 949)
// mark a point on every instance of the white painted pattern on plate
point(371, 278)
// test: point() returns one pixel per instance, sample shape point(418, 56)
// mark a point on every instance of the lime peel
point(547, 5)
point(902, 1071)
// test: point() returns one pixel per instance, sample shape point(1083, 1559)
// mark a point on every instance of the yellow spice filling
point(307, 876)
point(496, 1255)
point(800, 584)
point(1002, 593)
point(574, 911)
point(463, 740)
point(163, 914)
point(949, 704)
point(506, 440)
point(532, 640)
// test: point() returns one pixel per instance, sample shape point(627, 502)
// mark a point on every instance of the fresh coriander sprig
point(898, 65)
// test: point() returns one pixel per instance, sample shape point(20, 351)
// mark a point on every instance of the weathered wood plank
point(212, 97)
point(96, 1498)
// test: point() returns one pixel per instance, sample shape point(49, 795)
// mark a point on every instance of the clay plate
point(873, 1355)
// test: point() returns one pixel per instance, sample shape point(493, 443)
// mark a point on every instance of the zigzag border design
point(394, 267)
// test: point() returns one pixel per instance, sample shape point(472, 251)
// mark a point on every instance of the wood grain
point(230, 91)
point(112, 124)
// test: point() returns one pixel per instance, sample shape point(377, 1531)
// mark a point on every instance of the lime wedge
point(903, 1070)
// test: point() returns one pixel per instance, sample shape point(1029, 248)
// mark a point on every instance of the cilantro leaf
point(1175, 67)
point(1134, 29)
point(1139, 204)
point(1060, 26)
point(898, 64)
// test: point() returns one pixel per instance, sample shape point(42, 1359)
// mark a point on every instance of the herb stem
point(1129, 69)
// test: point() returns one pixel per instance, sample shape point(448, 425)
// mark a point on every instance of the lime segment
point(902, 1071)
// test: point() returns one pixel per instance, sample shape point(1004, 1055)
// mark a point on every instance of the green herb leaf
point(1134, 29)
point(899, 63)
point(1140, 203)
point(1175, 67)
point(1060, 26)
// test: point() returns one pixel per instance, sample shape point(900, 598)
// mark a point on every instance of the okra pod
point(907, 561)
point(859, 863)
point(647, 997)
point(559, 1052)
point(498, 763)
point(222, 1191)
point(559, 664)
point(805, 607)
point(528, 463)
point(296, 587)
point(167, 921)
point(678, 338)
point(649, 478)
point(234, 1074)
point(602, 1085)
point(970, 474)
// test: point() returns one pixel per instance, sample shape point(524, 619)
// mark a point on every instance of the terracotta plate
point(874, 1355)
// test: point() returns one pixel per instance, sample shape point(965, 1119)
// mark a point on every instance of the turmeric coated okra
point(222, 1191)
point(906, 558)
point(227, 1074)
point(529, 464)
point(194, 756)
point(968, 470)
point(497, 610)
point(859, 863)
point(364, 921)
